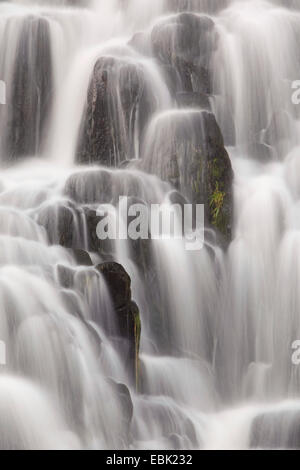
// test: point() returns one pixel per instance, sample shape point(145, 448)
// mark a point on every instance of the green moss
point(219, 215)
point(216, 205)
point(196, 183)
point(217, 169)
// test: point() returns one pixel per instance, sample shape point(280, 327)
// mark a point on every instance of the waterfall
point(143, 344)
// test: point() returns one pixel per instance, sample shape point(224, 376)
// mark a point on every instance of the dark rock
point(186, 42)
point(30, 89)
point(59, 224)
point(104, 247)
point(127, 318)
point(182, 36)
point(63, 223)
point(187, 149)
point(118, 281)
point(116, 111)
point(92, 220)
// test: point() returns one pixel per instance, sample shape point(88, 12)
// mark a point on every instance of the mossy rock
point(188, 151)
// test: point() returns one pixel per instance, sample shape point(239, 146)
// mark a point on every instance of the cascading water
point(136, 89)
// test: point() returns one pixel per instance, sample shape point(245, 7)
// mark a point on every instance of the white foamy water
point(217, 326)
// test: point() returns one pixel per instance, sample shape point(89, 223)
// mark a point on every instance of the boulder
point(116, 111)
point(186, 148)
point(185, 42)
point(127, 318)
point(63, 224)
point(105, 248)
point(118, 282)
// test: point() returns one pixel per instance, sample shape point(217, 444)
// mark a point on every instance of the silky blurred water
point(217, 333)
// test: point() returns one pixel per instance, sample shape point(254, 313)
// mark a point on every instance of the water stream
point(217, 332)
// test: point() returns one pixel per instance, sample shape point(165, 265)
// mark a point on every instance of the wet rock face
point(188, 151)
point(218, 177)
point(63, 223)
point(185, 43)
point(116, 111)
point(118, 282)
point(279, 430)
point(30, 90)
point(126, 314)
